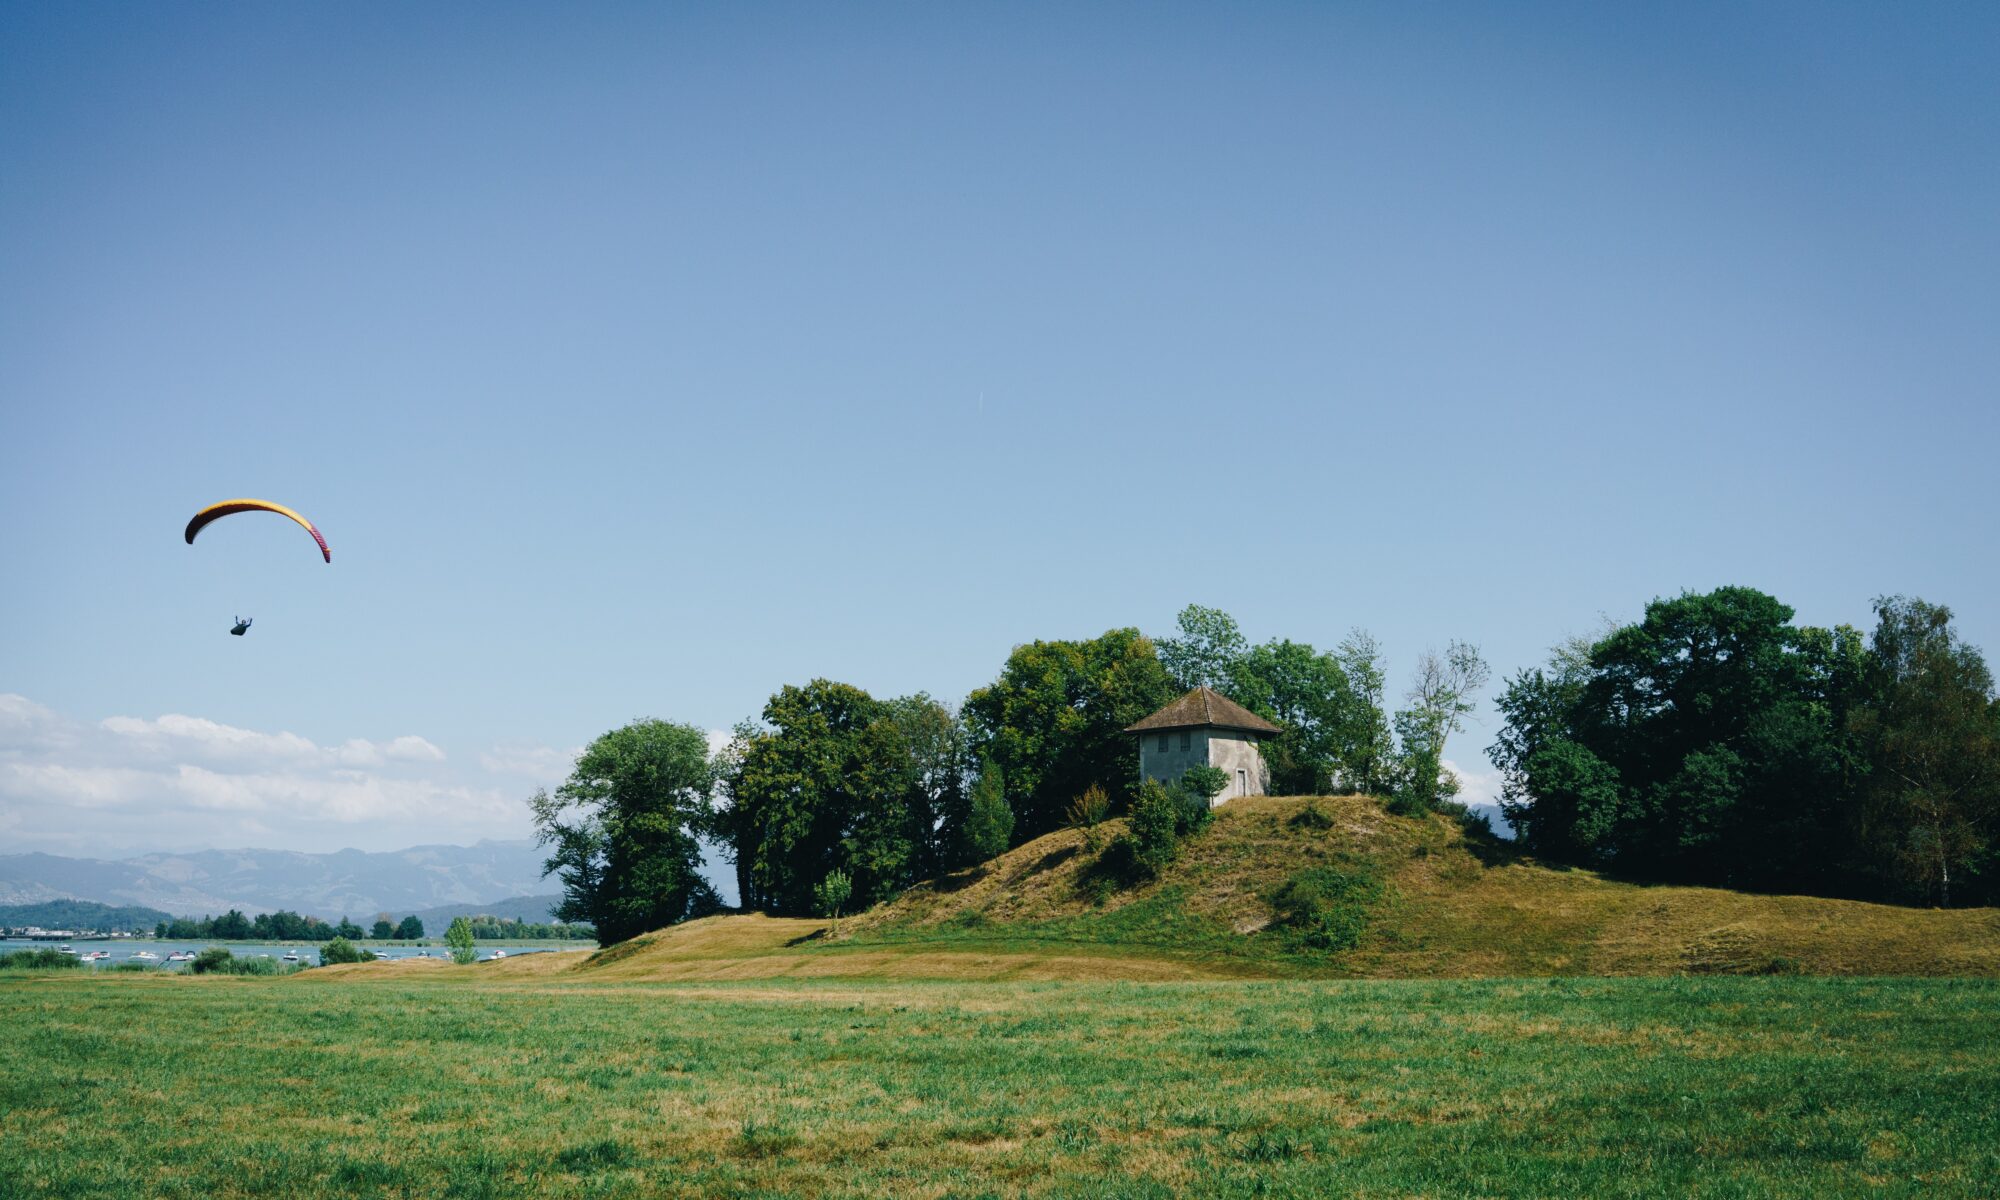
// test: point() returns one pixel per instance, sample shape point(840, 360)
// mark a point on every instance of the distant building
point(1205, 728)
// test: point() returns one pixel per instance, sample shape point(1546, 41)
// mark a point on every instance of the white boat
point(292, 956)
point(96, 956)
point(499, 954)
point(144, 956)
point(181, 956)
point(64, 948)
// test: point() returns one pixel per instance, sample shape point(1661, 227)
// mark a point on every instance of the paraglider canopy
point(227, 507)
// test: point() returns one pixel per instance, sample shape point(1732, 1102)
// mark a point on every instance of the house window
point(1187, 739)
point(1163, 743)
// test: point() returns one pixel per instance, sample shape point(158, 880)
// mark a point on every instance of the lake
point(122, 949)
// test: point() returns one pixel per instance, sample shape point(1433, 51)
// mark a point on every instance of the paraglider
point(214, 511)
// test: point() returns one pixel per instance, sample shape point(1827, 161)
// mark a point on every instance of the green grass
point(465, 1083)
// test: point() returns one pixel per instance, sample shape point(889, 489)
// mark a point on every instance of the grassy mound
point(1337, 885)
point(1304, 887)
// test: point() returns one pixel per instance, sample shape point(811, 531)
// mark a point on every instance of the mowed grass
point(470, 1082)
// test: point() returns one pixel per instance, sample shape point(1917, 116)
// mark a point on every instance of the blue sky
point(640, 359)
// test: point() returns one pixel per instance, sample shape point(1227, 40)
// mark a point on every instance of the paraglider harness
point(242, 626)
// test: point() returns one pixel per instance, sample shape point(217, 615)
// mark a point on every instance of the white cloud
point(536, 762)
point(175, 733)
point(1478, 788)
point(78, 787)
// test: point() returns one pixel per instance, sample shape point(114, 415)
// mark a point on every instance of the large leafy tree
point(1328, 703)
point(1931, 735)
point(1207, 650)
point(829, 783)
point(1054, 722)
point(1440, 697)
point(940, 767)
point(1704, 743)
point(622, 830)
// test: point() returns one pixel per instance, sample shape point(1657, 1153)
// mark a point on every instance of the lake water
point(122, 949)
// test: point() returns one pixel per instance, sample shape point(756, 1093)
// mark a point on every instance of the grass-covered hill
point(1326, 886)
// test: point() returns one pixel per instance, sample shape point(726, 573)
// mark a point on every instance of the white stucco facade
point(1166, 755)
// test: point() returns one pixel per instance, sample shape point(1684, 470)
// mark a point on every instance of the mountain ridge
point(329, 884)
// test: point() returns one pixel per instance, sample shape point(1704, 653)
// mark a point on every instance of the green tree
point(348, 929)
point(623, 828)
point(231, 926)
point(459, 938)
point(829, 783)
point(382, 930)
point(1931, 734)
point(340, 950)
point(831, 894)
point(939, 765)
point(989, 822)
point(1440, 697)
point(1207, 650)
point(1705, 743)
point(1054, 722)
point(1368, 746)
point(1154, 826)
point(410, 930)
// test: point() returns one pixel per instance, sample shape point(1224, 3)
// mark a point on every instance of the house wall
point(1170, 764)
point(1237, 752)
point(1225, 748)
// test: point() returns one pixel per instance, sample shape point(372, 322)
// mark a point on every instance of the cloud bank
point(128, 783)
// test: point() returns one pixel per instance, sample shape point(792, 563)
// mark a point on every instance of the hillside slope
point(1447, 907)
point(1436, 905)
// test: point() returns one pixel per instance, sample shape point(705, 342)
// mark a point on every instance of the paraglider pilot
point(242, 626)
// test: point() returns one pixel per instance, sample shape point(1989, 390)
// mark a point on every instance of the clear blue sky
point(640, 359)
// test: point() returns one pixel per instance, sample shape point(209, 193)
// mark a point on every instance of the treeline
point(831, 782)
point(281, 926)
point(1717, 742)
point(488, 928)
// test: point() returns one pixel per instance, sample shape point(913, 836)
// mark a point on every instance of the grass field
point(407, 1081)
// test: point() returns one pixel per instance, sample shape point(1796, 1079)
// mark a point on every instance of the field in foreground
point(470, 1082)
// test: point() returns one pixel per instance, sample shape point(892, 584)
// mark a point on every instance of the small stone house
point(1205, 728)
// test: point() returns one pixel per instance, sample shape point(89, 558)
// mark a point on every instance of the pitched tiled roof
point(1205, 706)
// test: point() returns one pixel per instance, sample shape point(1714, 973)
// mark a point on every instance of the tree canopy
point(623, 830)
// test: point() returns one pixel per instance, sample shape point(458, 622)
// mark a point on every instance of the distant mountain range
point(79, 914)
point(351, 883)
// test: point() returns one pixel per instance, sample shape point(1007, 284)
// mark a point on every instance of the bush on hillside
point(37, 960)
point(1155, 827)
point(217, 960)
point(212, 959)
point(1312, 816)
point(1209, 782)
point(340, 950)
point(1326, 908)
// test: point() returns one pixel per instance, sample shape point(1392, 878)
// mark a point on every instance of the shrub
point(459, 938)
point(1089, 809)
point(1192, 811)
point(1206, 781)
point(37, 960)
point(1312, 816)
point(1327, 908)
point(213, 959)
point(340, 950)
point(830, 895)
point(1155, 827)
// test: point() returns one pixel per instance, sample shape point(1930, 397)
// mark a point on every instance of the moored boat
point(144, 956)
point(181, 956)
